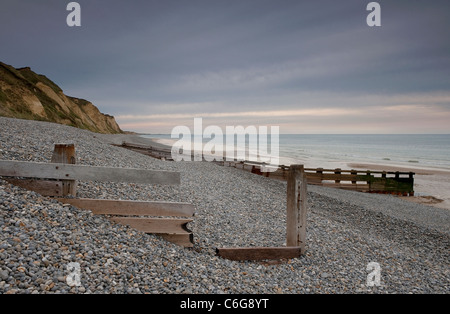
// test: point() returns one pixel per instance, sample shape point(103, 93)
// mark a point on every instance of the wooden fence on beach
point(59, 179)
point(296, 221)
point(384, 182)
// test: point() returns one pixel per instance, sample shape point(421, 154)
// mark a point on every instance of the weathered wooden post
point(411, 180)
point(370, 182)
point(337, 171)
point(296, 208)
point(295, 229)
point(65, 154)
point(353, 172)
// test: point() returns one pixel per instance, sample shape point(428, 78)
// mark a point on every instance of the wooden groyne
point(296, 212)
point(384, 182)
point(152, 151)
point(59, 179)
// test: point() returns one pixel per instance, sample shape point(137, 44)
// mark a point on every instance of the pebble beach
point(346, 231)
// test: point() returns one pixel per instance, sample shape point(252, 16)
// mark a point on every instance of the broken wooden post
point(296, 207)
point(65, 154)
point(120, 211)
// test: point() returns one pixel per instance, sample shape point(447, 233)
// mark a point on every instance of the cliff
point(27, 95)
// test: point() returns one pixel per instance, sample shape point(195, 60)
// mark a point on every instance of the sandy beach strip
point(345, 231)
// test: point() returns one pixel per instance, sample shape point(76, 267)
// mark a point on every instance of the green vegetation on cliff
point(25, 94)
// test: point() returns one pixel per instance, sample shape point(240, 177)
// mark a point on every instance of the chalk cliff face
point(27, 95)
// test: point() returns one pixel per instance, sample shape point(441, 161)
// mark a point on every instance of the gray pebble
point(346, 231)
point(4, 274)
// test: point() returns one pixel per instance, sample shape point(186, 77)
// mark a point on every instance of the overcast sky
point(306, 66)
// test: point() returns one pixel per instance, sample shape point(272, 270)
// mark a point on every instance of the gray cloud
point(194, 57)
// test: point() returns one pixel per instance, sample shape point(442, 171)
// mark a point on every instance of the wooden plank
point(277, 175)
point(340, 177)
point(392, 184)
point(130, 208)
point(302, 199)
point(155, 225)
point(86, 173)
point(296, 207)
point(259, 253)
point(355, 187)
point(312, 182)
point(182, 239)
point(43, 187)
point(65, 154)
point(292, 206)
point(308, 170)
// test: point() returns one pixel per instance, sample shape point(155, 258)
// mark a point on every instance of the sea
point(338, 150)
